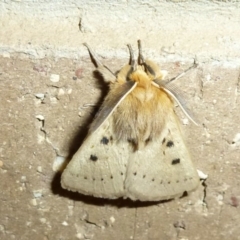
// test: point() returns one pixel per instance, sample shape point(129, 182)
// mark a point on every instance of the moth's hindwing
point(163, 169)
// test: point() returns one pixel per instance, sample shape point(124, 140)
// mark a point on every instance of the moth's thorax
point(141, 116)
point(140, 77)
point(144, 91)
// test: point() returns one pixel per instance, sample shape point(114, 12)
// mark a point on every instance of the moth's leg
point(94, 55)
point(195, 64)
point(107, 74)
point(176, 94)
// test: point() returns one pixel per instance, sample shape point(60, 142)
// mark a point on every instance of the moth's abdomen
point(141, 116)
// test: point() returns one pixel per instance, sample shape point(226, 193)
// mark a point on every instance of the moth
point(134, 147)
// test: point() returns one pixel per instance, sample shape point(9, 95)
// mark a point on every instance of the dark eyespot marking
point(148, 140)
point(163, 141)
point(135, 173)
point(85, 177)
point(111, 177)
point(111, 138)
point(134, 143)
point(93, 157)
point(132, 140)
point(122, 173)
point(169, 182)
point(153, 179)
point(101, 179)
point(170, 144)
point(175, 161)
point(104, 141)
point(185, 193)
point(93, 179)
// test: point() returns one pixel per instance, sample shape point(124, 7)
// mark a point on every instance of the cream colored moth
point(134, 147)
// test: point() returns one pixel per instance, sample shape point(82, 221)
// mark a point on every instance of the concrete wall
point(58, 28)
point(44, 120)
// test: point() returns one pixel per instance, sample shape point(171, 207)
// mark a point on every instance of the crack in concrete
point(56, 150)
point(92, 223)
point(201, 83)
point(42, 129)
point(204, 184)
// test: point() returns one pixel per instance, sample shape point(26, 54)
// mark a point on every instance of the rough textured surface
point(47, 103)
point(172, 29)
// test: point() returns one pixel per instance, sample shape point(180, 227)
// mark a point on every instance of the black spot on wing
point(185, 194)
point(134, 143)
point(170, 144)
point(175, 161)
point(93, 157)
point(148, 140)
point(104, 141)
